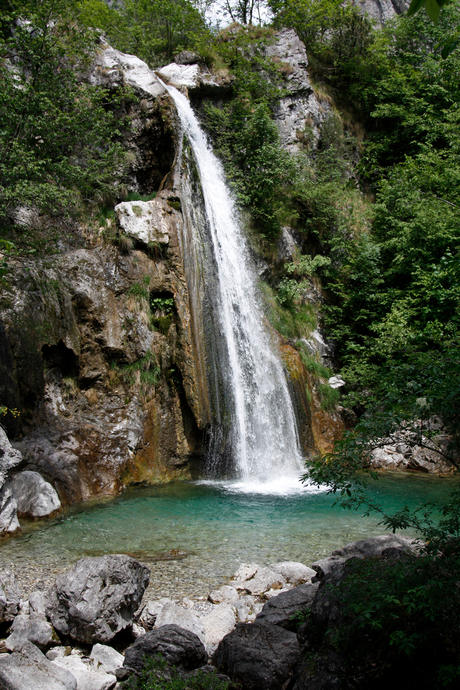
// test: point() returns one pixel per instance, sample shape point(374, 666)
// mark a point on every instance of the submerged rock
point(97, 598)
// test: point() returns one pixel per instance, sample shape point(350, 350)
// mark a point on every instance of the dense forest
point(377, 202)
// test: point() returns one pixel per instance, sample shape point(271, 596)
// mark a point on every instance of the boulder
point(29, 669)
point(280, 610)
point(34, 496)
point(177, 646)
point(10, 596)
point(86, 677)
point(32, 628)
point(217, 624)
point(259, 656)
point(105, 658)
point(364, 548)
point(97, 598)
point(172, 614)
point(293, 572)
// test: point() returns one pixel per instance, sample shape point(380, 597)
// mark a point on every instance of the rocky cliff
point(102, 344)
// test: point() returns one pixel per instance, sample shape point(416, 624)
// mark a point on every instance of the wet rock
point(10, 596)
point(293, 572)
point(35, 497)
point(259, 656)
point(97, 598)
point(178, 647)
point(280, 610)
point(172, 614)
point(217, 624)
point(30, 669)
point(33, 628)
point(86, 677)
point(105, 658)
point(364, 548)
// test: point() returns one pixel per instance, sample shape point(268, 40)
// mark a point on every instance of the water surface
point(193, 536)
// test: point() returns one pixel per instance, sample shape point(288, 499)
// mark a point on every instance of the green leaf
point(433, 10)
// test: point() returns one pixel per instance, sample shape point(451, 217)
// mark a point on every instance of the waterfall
point(254, 420)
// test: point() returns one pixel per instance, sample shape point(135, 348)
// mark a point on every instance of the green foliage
point(144, 371)
point(57, 137)
point(157, 675)
point(400, 613)
point(154, 30)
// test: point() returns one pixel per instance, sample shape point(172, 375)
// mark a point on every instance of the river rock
point(364, 548)
point(106, 658)
point(34, 496)
point(29, 669)
point(281, 609)
point(259, 656)
point(97, 598)
point(151, 610)
point(217, 624)
point(87, 678)
point(178, 647)
point(32, 628)
point(293, 572)
point(10, 596)
point(225, 594)
point(245, 572)
point(173, 614)
point(264, 579)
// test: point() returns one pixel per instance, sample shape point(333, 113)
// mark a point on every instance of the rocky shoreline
point(94, 627)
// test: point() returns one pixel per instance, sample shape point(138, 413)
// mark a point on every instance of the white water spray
point(263, 435)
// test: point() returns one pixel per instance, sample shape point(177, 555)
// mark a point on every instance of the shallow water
point(193, 535)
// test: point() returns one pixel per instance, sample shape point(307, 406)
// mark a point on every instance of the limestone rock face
point(97, 598)
point(382, 10)
point(29, 668)
point(9, 458)
point(299, 113)
point(35, 497)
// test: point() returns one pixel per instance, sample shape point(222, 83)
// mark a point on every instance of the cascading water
point(256, 410)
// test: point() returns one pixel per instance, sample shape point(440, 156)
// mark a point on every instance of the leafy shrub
point(157, 675)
